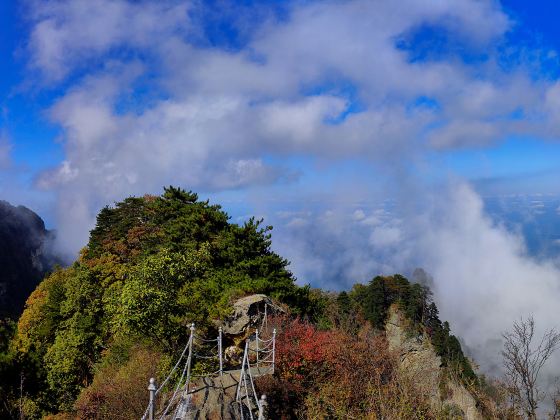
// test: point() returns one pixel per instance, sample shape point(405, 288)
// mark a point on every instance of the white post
point(262, 407)
point(273, 348)
point(257, 343)
point(151, 408)
point(249, 408)
point(189, 360)
point(242, 374)
point(265, 323)
point(220, 350)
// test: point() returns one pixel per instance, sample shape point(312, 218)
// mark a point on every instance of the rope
point(180, 380)
point(266, 347)
point(168, 376)
point(252, 384)
point(199, 356)
point(205, 339)
point(247, 396)
point(174, 368)
point(267, 350)
point(246, 372)
point(174, 393)
point(185, 392)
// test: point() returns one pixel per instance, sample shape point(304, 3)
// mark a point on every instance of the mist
point(329, 119)
point(482, 275)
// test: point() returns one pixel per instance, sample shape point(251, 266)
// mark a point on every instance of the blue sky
point(376, 137)
point(36, 143)
point(275, 108)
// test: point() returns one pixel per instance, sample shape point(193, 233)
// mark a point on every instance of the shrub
point(334, 374)
point(119, 391)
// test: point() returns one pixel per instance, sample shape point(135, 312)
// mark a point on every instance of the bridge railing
point(264, 351)
point(246, 395)
point(200, 348)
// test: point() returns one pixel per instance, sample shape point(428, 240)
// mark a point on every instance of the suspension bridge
point(187, 389)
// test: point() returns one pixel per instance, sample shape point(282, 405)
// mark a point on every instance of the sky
point(375, 136)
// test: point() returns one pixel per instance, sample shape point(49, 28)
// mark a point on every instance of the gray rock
point(420, 364)
point(248, 314)
point(214, 398)
point(233, 355)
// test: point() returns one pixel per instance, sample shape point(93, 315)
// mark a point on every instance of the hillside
point(93, 333)
point(24, 257)
point(152, 265)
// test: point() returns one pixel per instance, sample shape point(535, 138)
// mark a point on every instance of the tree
point(153, 264)
point(523, 362)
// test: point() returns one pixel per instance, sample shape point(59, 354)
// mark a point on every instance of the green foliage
point(8, 372)
point(334, 310)
point(152, 266)
point(415, 301)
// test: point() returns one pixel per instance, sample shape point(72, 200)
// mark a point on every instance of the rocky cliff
point(24, 258)
point(420, 364)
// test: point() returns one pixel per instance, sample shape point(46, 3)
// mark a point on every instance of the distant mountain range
point(24, 256)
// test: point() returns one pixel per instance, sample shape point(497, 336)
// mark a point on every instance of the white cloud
point(68, 34)
point(214, 115)
point(326, 81)
point(359, 215)
point(385, 236)
point(484, 278)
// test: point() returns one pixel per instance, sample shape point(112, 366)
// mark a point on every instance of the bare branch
point(523, 362)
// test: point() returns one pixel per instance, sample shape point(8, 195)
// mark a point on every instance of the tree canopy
point(153, 265)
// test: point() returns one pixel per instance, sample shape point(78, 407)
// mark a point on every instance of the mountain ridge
point(25, 256)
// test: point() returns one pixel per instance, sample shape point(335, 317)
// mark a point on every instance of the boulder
point(233, 355)
point(248, 314)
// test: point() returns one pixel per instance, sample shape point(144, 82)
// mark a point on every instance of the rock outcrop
point(24, 257)
point(420, 364)
point(215, 398)
point(248, 314)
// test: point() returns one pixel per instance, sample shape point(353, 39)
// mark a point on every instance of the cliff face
point(420, 364)
point(23, 256)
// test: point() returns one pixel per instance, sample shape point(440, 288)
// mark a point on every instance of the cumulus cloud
point(68, 34)
point(144, 103)
point(483, 273)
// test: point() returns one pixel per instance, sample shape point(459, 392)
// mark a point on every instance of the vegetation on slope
point(415, 301)
point(337, 374)
point(93, 332)
point(152, 265)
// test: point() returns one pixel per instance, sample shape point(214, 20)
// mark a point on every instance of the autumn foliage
point(333, 374)
point(115, 392)
point(304, 352)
